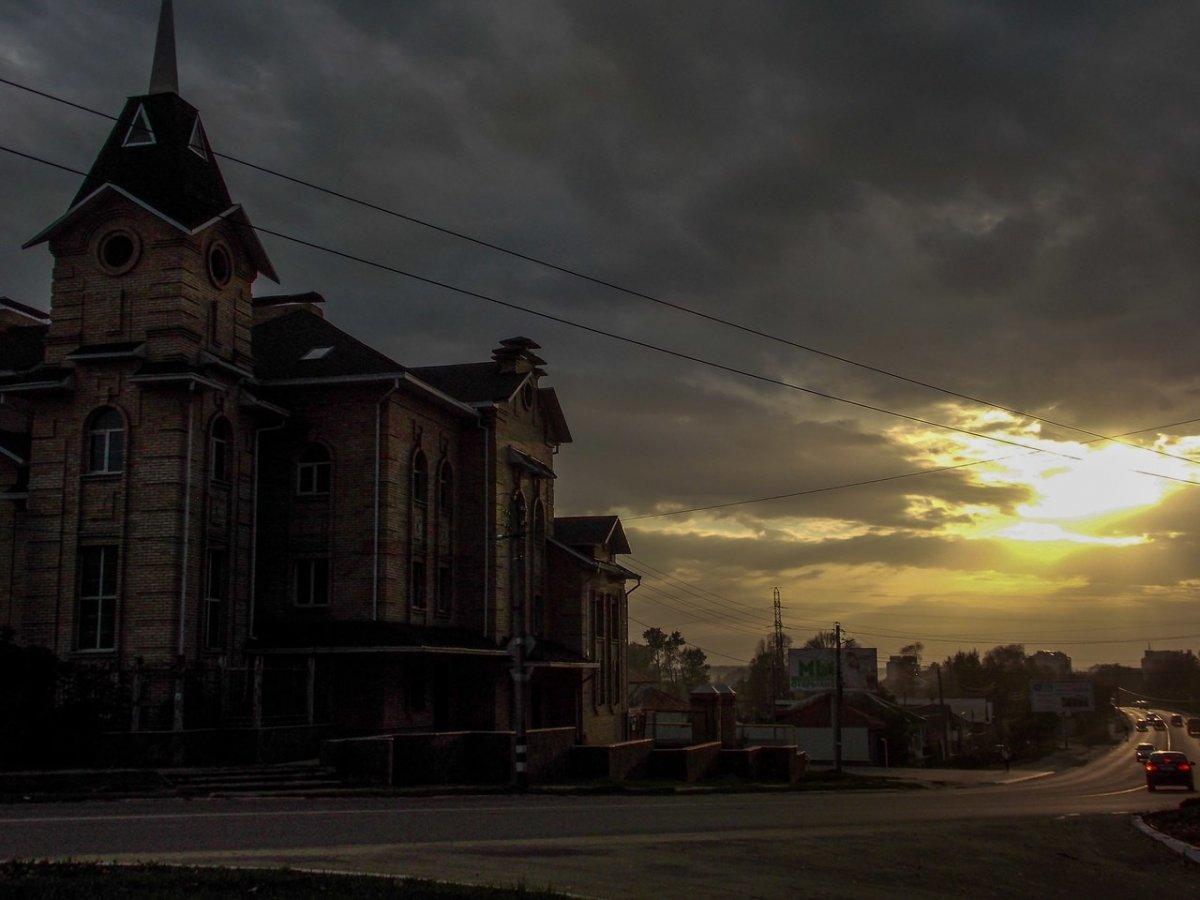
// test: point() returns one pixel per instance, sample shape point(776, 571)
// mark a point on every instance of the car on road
point(1160, 724)
point(1140, 725)
point(1142, 752)
point(1193, 727)
point(1169, 767)
point(1177, 721)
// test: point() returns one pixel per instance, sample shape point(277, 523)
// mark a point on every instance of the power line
point(1028, 640)
point(870, 481)
point(712, 364)
point(632, 292)
point(706, 651)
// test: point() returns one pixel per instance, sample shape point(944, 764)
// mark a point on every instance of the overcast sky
point(1001, 198)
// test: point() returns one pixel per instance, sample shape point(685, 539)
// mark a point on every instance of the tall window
point(221, 443)
point(419, 523)
point(537, 568)
point(106, 442)
point(601, 619)
point(97, 597)
point(517, 537)
point(313, 471)
point(312, 582)
point(614, 648)
point(216, 595)
point(445, 538)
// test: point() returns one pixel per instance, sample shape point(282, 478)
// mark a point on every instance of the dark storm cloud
point(998, 196)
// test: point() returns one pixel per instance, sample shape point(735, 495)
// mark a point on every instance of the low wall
point(366, 760)
point(624, 761)
point(767, 735)
point(818, 743)
point(740, 763)
point(548, 754)
point(686, 764)
point(781, 763)
point(210, 746)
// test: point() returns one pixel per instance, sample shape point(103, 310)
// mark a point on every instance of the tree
point(904, 682)
point(827, 640)
point(754, 690)
point(640, 661)
point(693, 668)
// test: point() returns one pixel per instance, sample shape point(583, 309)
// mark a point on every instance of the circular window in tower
point(118, 251)
point(220, 264)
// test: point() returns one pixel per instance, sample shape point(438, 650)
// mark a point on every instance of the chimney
point(516, 355)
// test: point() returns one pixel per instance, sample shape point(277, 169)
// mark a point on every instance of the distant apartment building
point(247, 515)
point(1155, 662)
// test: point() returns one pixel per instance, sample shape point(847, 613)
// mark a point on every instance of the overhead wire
point(612, 285)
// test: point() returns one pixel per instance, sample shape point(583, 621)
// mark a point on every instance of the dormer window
point(317, 353)
point(197, 143)
point(140, 133)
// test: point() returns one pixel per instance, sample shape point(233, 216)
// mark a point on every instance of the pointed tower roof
point(164, 76)
point(158, 156)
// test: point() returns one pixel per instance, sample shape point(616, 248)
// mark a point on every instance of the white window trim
point(140, 119)
point(309, 603)
point(317, 353)
point(314, 467)
point(101, 598)
point(196, 141)
point(106, 468)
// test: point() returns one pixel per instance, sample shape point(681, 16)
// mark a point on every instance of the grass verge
point(1182, 823)
point(21, 880)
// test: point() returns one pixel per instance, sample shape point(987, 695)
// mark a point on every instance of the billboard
point(812, 669)
point(1061, 696)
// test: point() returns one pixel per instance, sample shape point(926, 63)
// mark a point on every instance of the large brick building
point(248, 516)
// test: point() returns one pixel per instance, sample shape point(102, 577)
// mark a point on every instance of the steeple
point(164, 76)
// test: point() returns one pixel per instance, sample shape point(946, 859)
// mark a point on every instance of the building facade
point(249, 516)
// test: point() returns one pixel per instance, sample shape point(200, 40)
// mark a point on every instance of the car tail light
point(1151, 767)
point(1185, 767)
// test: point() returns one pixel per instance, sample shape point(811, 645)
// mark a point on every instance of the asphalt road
point(706, 845)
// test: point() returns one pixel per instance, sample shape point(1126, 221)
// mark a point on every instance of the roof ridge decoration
point(164, 73)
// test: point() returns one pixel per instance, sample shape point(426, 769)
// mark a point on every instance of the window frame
point(105, 600)
point(316, 467)
point(215, 638)
point(315, 563)
point(220, 450)
point(107, 435)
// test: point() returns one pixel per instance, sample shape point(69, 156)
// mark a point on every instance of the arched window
point(420, 479)
point(444, 586)
point(313, 471)
point(419, 523)
point(445, 487)
point(220, 450)
point(537, 569)
point(106, 441)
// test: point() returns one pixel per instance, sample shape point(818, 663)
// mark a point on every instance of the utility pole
point(836, 706)
point(778, 671)
point(937, 667)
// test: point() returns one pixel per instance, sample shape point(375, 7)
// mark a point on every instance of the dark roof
point(591, 564)
point(167, 174)
point(350, 634)
point(552, 410)
point(545, 651)
point(281, 343)
point(579, 531)
point(40, 314)
point(115, 348)
point(22, 347)
point(532, 465)
point(473, 382)
point(652, 697)
point(284, 299)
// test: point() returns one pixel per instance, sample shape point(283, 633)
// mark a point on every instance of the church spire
point(164, 77)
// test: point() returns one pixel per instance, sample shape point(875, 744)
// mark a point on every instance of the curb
point(1180, 847)
point(1034, 777)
